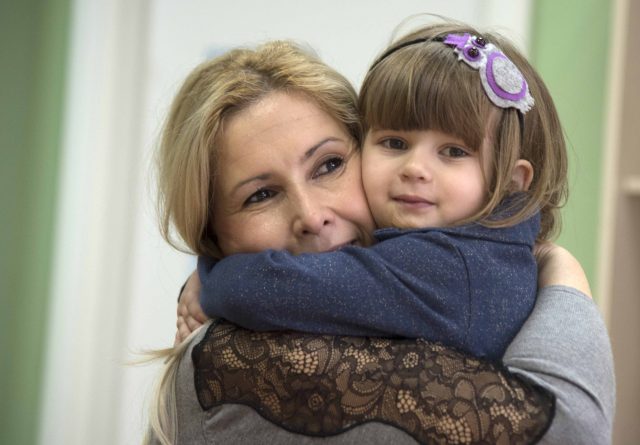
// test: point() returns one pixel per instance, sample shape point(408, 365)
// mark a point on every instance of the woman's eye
point(454, 152)
point(259, 196)
point(328, 166)
point(394, 144)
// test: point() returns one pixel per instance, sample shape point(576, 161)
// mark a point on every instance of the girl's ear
point(522, 175)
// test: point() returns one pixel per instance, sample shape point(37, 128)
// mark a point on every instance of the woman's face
point(288, 178)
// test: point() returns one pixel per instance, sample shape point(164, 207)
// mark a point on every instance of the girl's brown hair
point(423, 86)
point(186, 156)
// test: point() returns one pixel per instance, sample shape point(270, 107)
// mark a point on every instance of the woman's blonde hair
point(186, 160)
point(213, 91)
point(423, 86)
point(163, 408)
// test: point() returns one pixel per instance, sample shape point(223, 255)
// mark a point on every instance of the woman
point(260, 150)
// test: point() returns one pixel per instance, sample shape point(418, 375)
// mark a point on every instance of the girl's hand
point(556, 266)
point(190, 315)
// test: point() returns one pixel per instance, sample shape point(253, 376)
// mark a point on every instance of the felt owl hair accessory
point(501, 79)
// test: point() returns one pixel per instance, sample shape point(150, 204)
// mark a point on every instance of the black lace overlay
point(325, 385)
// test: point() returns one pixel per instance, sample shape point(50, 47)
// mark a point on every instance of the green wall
point(33, 39)
point(570, 41)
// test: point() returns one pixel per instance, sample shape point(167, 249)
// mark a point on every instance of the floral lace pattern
point(325, 385)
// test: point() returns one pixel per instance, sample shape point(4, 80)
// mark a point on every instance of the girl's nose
point(415, 169)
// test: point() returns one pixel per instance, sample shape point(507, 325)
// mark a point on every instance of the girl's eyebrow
point(387, 130)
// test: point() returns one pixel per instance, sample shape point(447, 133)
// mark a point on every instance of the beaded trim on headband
point(501, 79)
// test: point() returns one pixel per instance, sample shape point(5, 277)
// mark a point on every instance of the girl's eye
point(454, 152)
point(394, 144)
point(259, 196)
point(329, 166)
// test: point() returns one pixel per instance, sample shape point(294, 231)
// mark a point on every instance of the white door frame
point(100, 167)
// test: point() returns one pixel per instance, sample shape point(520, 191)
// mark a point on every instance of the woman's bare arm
point(557, 266)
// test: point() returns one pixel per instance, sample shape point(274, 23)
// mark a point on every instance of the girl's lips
point(412, 200)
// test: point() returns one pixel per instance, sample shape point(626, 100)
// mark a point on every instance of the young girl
point(464, 168)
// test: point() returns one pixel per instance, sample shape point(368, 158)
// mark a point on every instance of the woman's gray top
point(563, 347)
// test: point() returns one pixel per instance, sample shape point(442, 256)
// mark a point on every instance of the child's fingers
point(190, 314)
point(183, 329)
point(192, 323)
point(194, 310)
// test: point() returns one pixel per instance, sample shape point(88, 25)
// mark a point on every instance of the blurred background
point(86, 282)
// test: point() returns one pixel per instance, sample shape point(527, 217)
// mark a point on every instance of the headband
point(501, 79)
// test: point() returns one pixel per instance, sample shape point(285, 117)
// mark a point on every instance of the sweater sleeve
point(564, 347)
point(409, 286)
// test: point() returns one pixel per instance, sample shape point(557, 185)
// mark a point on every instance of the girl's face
point(416, 179)
point(288, 178)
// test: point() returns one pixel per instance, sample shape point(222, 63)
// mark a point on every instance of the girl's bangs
point(428, 89)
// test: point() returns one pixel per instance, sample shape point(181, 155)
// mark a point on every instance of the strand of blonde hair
point(163, 415)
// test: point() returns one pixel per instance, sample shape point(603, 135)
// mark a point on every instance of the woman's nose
point(311, 217)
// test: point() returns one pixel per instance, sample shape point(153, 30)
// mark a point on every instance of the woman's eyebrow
point(309, 153)
point(260, 177)
point(265, 176)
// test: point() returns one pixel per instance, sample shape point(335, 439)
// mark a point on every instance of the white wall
point(115, 279)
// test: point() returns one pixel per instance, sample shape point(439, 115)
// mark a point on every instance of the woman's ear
point(522, 175)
